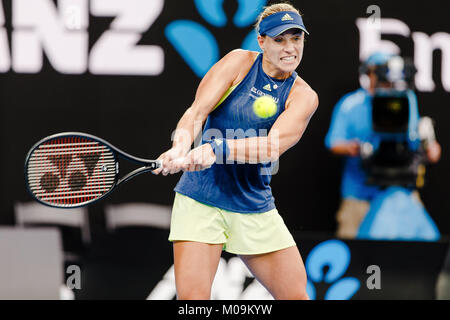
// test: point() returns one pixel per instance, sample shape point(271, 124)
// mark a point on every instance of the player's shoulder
point(238, 62)
point(301, 86)
point(302, 90)
point(241, 55)
point(239, 58)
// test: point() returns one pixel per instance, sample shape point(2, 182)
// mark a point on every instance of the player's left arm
point(285, 132)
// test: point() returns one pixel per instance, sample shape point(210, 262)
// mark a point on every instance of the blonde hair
point(274, 8)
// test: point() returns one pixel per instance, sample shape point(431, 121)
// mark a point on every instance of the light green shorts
point(240, 233)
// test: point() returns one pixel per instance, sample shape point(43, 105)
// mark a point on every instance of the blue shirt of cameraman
point(352, 120)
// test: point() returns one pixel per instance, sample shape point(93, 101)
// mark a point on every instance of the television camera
point(395, 153)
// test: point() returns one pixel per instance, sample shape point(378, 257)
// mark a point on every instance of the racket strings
point(70, 171)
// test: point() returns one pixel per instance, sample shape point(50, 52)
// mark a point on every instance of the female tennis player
point(223, 200)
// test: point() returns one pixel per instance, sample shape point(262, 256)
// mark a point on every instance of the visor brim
point(282, 28)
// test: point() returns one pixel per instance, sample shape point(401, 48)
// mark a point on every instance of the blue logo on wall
point(196, 44)
point(335, 255)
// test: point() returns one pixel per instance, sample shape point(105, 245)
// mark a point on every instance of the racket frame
point(148, 165)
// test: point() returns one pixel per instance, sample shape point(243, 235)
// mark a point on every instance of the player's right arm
point(224, 74)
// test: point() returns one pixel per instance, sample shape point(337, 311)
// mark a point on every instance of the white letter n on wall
point(424, 46)
point(41, 27)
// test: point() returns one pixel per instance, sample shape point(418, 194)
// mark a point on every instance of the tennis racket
point(74, 169)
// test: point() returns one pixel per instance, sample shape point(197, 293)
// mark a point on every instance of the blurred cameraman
point(350, 127)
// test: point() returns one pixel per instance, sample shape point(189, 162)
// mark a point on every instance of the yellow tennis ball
point(265, 107)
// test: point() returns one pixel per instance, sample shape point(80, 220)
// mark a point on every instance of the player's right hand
point(172, 161)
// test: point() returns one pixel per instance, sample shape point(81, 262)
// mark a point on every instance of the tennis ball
point(265, 107)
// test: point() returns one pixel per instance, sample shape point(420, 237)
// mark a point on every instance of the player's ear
point(261, 41)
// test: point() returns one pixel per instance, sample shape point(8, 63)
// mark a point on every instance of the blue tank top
point(239, 187)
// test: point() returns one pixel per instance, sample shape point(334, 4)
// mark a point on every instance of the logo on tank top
point(256, 93)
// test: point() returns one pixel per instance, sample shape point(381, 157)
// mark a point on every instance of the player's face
point(284, 52)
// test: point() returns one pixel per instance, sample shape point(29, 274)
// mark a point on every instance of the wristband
point(220, 149)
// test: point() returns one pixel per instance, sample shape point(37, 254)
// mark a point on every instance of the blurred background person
point(351, 125)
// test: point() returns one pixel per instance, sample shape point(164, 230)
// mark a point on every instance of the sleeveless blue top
point(239, 187)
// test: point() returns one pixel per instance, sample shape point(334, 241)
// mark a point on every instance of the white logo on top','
point(287, 17)
point(61, 32)
point(370, 31)
point(256, 93)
